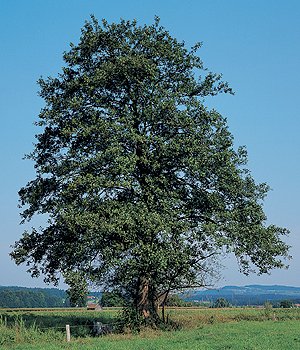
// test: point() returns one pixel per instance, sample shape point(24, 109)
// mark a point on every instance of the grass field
point(200, 329)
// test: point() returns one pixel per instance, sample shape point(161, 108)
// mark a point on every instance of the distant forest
point(21, 297)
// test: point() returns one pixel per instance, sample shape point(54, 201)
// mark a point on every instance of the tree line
point(32, 298)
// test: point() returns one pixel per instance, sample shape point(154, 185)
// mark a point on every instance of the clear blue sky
point(254, 43)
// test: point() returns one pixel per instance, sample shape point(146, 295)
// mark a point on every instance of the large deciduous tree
point(141, 182)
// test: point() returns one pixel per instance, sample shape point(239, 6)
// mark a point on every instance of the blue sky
point(254, 43)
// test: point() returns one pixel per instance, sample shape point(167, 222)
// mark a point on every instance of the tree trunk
point(162, 301)
point(147, 305)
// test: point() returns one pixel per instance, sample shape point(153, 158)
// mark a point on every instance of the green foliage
point(286, 304)
point(112, 299)
point(221, 302)
point(78, 288)
point(140, 181)
point(268, 309)
point(174, 300)
point(17, 297)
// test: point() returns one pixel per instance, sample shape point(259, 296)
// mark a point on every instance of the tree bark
point(147, 305)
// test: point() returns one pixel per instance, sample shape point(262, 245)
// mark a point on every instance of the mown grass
point(199, 329)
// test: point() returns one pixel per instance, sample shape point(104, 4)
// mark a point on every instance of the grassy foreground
point(201, 329)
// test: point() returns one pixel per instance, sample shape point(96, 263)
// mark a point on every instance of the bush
point(111, 299)
point(221, 302)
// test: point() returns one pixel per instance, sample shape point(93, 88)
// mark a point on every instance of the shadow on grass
point(81, 323)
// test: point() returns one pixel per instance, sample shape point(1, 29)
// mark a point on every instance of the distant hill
point(247, 295)
point(22, 297)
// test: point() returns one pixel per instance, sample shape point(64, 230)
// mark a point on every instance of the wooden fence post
point(68, 332)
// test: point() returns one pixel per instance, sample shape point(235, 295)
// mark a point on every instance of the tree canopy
point(141, 182)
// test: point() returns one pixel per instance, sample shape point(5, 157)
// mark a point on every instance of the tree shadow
point(81, 323)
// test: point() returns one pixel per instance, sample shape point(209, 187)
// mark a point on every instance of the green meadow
point(234, 328)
